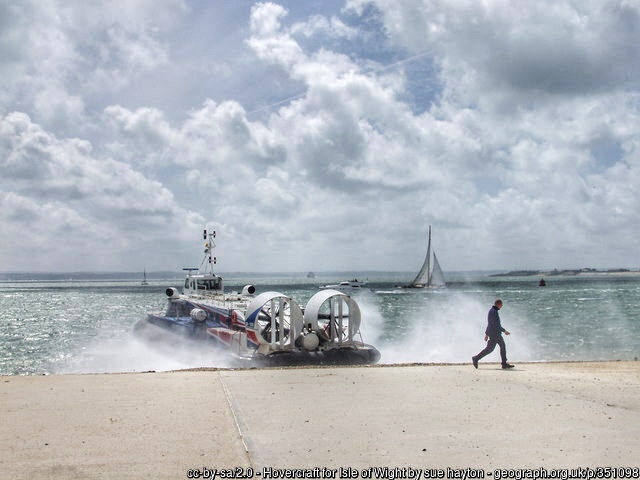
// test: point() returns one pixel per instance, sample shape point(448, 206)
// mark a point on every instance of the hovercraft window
point(209, 284)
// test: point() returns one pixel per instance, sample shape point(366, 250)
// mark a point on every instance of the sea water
point(87, 326)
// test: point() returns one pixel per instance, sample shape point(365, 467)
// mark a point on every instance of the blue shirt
point(494, 328)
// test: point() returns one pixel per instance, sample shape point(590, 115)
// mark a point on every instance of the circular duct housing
point(172, 292)
point(275, 318)
point(333, 315)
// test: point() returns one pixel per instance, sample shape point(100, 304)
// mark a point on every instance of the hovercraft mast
point(204, 280)
point(209, 245)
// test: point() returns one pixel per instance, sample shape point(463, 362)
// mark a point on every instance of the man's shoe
point(507, 365)
point(475, 362)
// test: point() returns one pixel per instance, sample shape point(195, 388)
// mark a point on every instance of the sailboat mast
point(423, 274)
point(429, 259)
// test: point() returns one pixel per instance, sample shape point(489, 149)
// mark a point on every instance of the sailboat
point(430, 275)
point(144, 278)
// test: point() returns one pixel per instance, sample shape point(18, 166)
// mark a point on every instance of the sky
point(319, 135)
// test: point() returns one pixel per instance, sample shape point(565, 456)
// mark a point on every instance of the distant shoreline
point(368, 275)
point(567, 273)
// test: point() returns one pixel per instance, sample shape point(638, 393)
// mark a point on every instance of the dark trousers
point(491, 345)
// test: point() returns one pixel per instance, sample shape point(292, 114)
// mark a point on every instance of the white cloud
point(64, 56)
point(524, 152)
point(57, 187)
point(268, 41)
point(318, 25)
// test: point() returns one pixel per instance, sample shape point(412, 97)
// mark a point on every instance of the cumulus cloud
point(537, 87)
point(522, 153)
point(56, 189)
point(65, 58)
point(551, 47)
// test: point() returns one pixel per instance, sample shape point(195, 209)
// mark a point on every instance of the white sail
point(422, 277)
point(436, 279)
point(429, 276)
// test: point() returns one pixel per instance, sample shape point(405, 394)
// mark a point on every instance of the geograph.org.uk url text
point(587, 473)
point(408, 473)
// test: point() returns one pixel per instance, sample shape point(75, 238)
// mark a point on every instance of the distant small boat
point(430, 274)
point(347, 286)
point(144, 278)
point(542, 283)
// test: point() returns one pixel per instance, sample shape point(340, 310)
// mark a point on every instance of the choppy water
point(55, 327)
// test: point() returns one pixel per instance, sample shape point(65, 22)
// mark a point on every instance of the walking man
point(493, 336)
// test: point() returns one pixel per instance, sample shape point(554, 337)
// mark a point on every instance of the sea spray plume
point(132, 354)
point(372, 326)
point(438, 332)
point(445, 327)
point(523, 342)
point(186, 352)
